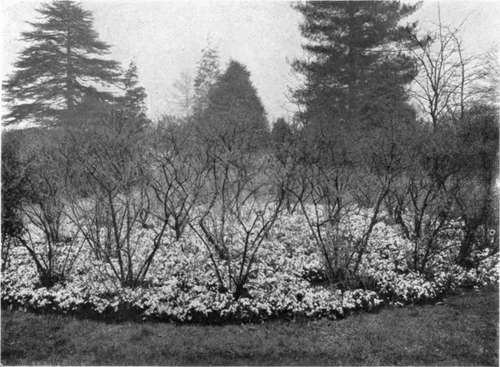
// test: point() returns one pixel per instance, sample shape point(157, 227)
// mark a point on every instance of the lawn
point(463, 330)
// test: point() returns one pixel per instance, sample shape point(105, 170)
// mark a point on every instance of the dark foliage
point(61, 65)
point(134, 100)
point(235, 117)
point(357, 70)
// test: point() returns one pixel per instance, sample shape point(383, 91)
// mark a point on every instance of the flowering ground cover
point(285, 281)
point(181, 284)
point(461, 330)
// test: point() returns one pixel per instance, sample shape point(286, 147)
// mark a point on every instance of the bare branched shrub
point(14, 190)
point(45, 233)
point(115, 217)
point(452, 90)
point(381, 163)
point(323, 191)
point(340, 174)
point(178, 174)
point(475, 197)
point(289, 152)
point(422, 196)
point(242, 203)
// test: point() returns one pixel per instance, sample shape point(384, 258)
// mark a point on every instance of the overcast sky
point(165, 38)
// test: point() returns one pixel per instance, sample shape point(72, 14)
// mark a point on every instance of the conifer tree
point(357, 67)
point(206, 75)
point(134, 99)
point(61, 65)
point(235, 114)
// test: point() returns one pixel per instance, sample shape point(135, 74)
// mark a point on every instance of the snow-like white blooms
point(182, 283)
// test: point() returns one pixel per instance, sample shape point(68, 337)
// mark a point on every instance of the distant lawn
point(462, 331)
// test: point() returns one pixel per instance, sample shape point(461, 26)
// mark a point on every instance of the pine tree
point(358, 68)
point(135, 96)
point(207, 73)
point(235, 115)
point(60, 66)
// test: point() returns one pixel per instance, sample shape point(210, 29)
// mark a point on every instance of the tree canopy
point(235, 113)
point(354, 71)
point(134, 99)
point(206, 75)
point(61, 65)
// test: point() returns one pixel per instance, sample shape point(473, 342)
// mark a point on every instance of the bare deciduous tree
point(447, 82)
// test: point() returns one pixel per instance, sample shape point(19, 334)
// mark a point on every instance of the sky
point(165, 38)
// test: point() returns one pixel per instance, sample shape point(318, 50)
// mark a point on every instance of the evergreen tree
point(134, 99)
point(358, 69)
point(281, 132)
point(235, 115)
point(206, 75)
point(60, 66)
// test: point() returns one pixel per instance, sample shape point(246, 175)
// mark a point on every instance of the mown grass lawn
point(461, 331)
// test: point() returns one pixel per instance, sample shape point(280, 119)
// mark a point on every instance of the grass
point(461, 331)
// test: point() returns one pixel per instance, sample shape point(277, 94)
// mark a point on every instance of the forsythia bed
point(181, 284)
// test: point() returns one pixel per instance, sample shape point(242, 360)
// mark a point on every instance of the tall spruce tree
point(60, 67)
point(235, 115)
point(206, 75)
point(134, 99)
point(357, 68)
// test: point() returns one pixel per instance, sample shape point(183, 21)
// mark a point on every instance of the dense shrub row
point(287, 282)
